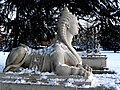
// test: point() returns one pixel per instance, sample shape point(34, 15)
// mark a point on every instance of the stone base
point(33, 82)
point(8, 86)
point(95, 61)
point(39, 82)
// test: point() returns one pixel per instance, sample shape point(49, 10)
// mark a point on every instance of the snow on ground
point(107, 80)
point(113, 60)
point(110, 80)
point(3, 57)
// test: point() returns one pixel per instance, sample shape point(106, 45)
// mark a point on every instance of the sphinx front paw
point(87, 74)
point(83, 72)
point(88, 68)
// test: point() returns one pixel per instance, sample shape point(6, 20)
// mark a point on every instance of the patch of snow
point(20, 81)
point(43, 77)
point(47, 73)
point(53, 82)
point(3, 57)
point(107, 80)
point(69, 84)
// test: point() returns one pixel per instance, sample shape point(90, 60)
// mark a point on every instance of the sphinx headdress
point(64, 22)
point(63, 25)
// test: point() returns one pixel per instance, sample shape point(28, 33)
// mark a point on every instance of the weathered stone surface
point(9, 86)
point(15, 82)
point(60, 57)
point(8, 82)
point(95, 61)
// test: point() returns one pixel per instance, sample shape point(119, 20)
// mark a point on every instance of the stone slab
point(7, 82)
point(95, 61)
point(8, 86)
point(15, 80)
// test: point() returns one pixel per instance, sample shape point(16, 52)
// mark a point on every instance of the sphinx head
point(68, 23)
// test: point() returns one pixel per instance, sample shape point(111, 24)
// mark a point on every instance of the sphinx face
point(73, 26)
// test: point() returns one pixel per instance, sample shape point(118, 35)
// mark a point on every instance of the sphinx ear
point(67, 25)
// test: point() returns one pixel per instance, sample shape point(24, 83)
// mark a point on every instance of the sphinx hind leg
point(14, 67)
point(18, 61)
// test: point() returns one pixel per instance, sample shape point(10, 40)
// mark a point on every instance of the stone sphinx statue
point(60, 57)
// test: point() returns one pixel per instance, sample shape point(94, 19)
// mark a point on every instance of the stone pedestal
point(41, 82)
point(95, 61)
point(8, 86)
